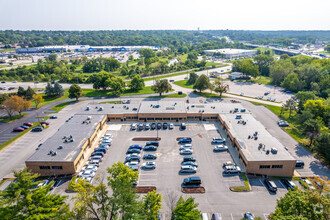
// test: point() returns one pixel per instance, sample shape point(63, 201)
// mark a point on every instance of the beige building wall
point(51, 168)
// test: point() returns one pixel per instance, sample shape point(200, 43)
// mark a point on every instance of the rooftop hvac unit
point(89, 117)
point(60, 147)
point(274, 150)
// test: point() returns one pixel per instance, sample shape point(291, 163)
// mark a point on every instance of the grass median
point(245, 188)
point(7, 119)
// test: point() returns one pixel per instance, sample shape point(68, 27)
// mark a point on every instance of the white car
point(89, 167)
point(88, 173)
point(134, 155)
point(218, 140)
point(186, 152)
point(232, 169)
point(186, 146)
point(219, 148)
point(149, 165)
point(132, 163)
point(133, 126)
point(171, 126)
point(107, 136)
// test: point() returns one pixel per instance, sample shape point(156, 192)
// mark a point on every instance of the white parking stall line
point(262, 183)
point(282, 184)
point(231, 215)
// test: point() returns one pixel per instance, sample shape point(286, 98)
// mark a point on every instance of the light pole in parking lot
point(157, 129)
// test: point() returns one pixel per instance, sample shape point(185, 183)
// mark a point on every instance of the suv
point(300, 164)
point(194, 180)
point(218, 140)
point(133, 126)
point(188, 169)
point(147, 126)
point(232, 169)
point(186, 159)
point(154, 143)
point(185, 140)
point(164, 125)
point(183, 126)
point(136, 146)
point(288, 183)
point(270, 185)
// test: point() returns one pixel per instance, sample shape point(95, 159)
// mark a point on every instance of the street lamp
point(157, 129)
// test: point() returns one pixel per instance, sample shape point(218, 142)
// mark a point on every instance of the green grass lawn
point(174, 95)
point(166, 76)
point(184, 84)
point(262, 79)
point(7, 119)
point(98, 93)
point(245, 188)
point(112, 102)
point(209, 95)
point(263, 50)
point(59, 107)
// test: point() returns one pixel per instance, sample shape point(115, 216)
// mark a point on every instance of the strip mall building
point(68, 150)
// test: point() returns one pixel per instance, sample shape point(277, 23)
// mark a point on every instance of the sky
point(164, 14)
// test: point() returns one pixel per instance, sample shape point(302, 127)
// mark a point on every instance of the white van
point(204, 216)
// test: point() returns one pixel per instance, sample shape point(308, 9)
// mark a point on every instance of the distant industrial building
point(68, 150)
point(229, 53)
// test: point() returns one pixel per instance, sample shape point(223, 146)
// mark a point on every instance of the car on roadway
point(190, 163)
point(185, 140)
point(188, 169)
point(171, 126)
point(132, 151)
point(270, 185)
point(149, 156)
point(218, 140)
point(53, 117)
point(28, 124)
point(18, 129)
point(186, 152)
point(136, 146)
point(149, 165)
point(37, 129)
point(150, 148)
point(220, 148)
point(44, 123)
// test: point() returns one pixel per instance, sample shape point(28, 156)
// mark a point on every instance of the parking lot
point(168, 180)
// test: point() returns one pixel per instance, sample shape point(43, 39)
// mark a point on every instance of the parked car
point(100, 149)
point(232, 169)
point(288, 183)
point(220, 148)
point(97, 153)
point(132, 163)
point(24, 126)
point(186, 146)
point(270, 185)
point(149, 156)
point(53, 117)
point(183, 126)
point(164, 125)
point(18, 129)
point(188, 169)
point(133, 157)
point(283, 123)
point(89, 167)
point(133, 126)
point(28, 124)
point(218, 140)
point(192, 181)
point(309, 183)
point(136, 146)
point(153, 143)
point(132, 151)
point(149, 165)
point(248, 216)
point(37, 129)
point(150, 148)
point(185, 140)
point(44, 123)
point(185, 159)
point(186, 152)
point(190, 163)
point(153, 126)
point(300, 164)
point(238, 117)
point(216, 216)
point(94, 162)
point(159, 126)
point(228, 163)
point(88, 173)
point(140, 126)
point(98, 157)
point(147, 126)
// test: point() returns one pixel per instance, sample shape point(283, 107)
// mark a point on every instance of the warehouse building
point(232, 53)
point(259, 152)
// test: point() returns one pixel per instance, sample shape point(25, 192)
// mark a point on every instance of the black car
point(132, 158)
point(37, 129)
point(270, 185)
point(53, 117)
point(192, 159)
point(133, 151)
point(97, 153)
point(150, 156)
point(192, 181)
point(154, 143)
point(159, 126)
point(300, 164)
point(288, 183)
point(165, 125)
point(153, 126)
point(100, 149)
point(183, 126)
point(150, 148)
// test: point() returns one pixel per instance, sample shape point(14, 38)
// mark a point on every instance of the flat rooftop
point(163, 107)
point(221, 108)
point(79, 131)
point(250, 147)
point(94, 109)
point(229, 51)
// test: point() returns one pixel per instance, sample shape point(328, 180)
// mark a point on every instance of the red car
point(28, 124)
point(18, 129)
point(44, 123)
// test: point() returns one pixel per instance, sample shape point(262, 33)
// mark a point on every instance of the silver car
point(186, 152)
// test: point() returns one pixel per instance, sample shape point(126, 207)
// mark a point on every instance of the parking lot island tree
point(152, 203)
point(202, 83)
point(25, 199)
point(186, 210)
point(75, 92)
point(161, 86)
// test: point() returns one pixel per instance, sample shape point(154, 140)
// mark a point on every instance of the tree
point(161, 86)
point(20, 91)
point(263, 62)
point(186, 210)
point(75, 92)
point(37, 99)
point(192, 56)
point(291, 105)
point(292, 82)
point(202, 83)
point(147, 53)
point(10, 106)
point(117, 85)
point(137, 83)
point(58, 89)
point(303, 205)
point(327, 48)
point(279, 70)
point(312, 129)
point(124, 199)
point(171, 201)
point(303, 96)
point(284, 56)
point(322, 145)
point(316, 107)
point(24, 199)
point(192, 78)
point(130, 58)
point(152, 203)
point(220, 87)
point(29, 93)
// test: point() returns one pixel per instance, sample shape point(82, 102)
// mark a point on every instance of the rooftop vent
point(87, 108)
point(170, 108)
point(60, 147)
point(274, 150)
point(101, 109)
point(89, 117)
point(54, 154)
